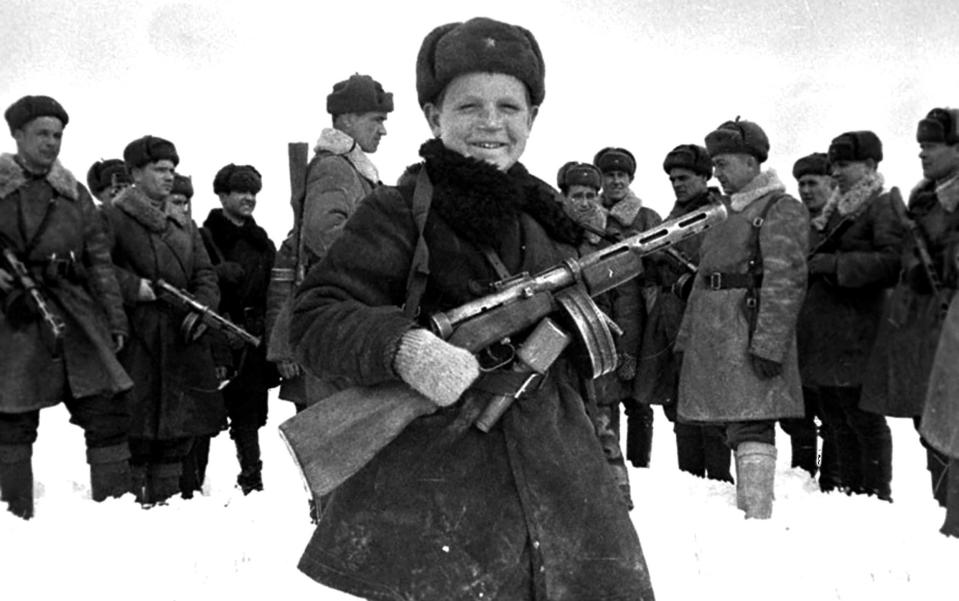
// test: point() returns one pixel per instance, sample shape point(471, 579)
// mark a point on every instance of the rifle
point(919, 238)
point(336, 436)
point(25, 281)
point(200, 316)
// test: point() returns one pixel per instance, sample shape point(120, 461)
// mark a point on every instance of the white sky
point(235, 81)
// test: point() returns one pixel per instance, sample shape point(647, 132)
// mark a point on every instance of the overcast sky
point(235, 81)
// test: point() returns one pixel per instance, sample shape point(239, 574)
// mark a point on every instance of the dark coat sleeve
point(347, 319)
point(203, 284)
point(128, 281)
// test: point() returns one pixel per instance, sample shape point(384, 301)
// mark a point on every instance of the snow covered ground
point(223, 545)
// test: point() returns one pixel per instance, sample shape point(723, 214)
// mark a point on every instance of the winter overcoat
point(717, 382)
point(527, 511)
point(841, 313)
point(939, 426)
point(243, 256)
point(657, 373)
point(54, 217)
point(897, 374)
point(175, 393)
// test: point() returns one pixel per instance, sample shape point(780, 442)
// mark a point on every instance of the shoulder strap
point(756, 262)
point(420, 267)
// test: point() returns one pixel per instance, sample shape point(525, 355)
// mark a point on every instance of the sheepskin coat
point(35, 373)
point(445, 511)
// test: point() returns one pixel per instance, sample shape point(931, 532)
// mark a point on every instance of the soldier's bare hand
point(6, 281)
point(118, 341)
point(288, 369)
point(145, 293)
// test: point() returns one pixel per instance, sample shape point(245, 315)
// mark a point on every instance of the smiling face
point(38, 143)
point(238, 206)
point(485, 116)
point(616, 184)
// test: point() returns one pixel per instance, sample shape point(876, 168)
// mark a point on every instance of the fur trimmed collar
point(948, 193)
point(626, 210)
point(336, 142)
point(12, 176)
point(761, 185)
point(226, 233)
point(852, 202)
point(136, 204)
point(479, 202)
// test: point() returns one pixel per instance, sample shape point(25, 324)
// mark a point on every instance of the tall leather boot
point(717, 454)
point(805, 451)
point(639, 433)
point(247, 442)
point(755, 478)
point(830, 474)
point(109, 471)
point(950, 527)
point(877, 463)
point(16, 479)
point(163, 481)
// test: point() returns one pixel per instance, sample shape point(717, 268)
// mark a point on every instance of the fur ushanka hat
point(578, 174)
point(615, 159)
point(359, 94)
point(149, 149)
point(816, 163)
point(691, 157)
point(855, 146)
point(106, 173)
point(28, 108)
point(237, 178)
point(738, 137)
point(940, 125)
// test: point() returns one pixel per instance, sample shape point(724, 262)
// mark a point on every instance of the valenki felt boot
point(110, 474)
point(755, 479)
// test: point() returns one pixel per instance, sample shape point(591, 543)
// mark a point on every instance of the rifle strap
point(32, 241)
point(495, 262)
point(755, 266)
point(420, 266)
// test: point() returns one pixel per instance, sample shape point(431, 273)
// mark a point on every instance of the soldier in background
point(738, 335)
point(107, 178)
point(625, 216)
point(175, 397)
point(49, 222)
point(243, 255)
point(181, 195)
point(700, 448)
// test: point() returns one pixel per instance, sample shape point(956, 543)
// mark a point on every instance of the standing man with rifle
point(175, 397)
point(851, 266)
point(521, 508)
point(897, 379)
point(338, 177)
point(700, 448)
point(242, 256)
point(61, 315)
point(738, 335)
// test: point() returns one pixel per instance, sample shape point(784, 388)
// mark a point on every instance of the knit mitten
point(433, 367)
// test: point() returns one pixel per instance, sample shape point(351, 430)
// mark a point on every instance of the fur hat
point(358, 94)
point(615, 159)
point(237, 178)
point(479, 45)
point(106, 173)
point(738, 137)
point(29, 108)
point(855, 146)
point(183, 185)
point(578, 174)
point(940, 125)
point(816, 163)
point(689, 156)
point(149, 149)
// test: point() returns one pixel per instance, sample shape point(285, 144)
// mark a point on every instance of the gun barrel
point(210, 317)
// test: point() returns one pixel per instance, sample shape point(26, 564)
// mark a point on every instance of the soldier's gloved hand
point(765, 368)
point(627, 367)
point(6, 281)
point(822, 264)
point(19, 309)
point(230, 272)
point(433, 367)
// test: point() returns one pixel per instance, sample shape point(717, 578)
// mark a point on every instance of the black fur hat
point(816, 163)
point(182, 184)
point(689, 156)
point(940, 125)
point(479, 45)
point(28, 108)
point(149, 149)
point(738, 137)
point(237, 178)
point(582, 174)
point(615, 159)
point(358, 94)
point(855, 146)
point(106, 173)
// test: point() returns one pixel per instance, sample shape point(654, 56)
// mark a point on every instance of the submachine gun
point(22, 278)
point(200, 317)
point(336, 436)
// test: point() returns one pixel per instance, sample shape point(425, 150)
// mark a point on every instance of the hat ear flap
point(426, 63)
point(536, 51)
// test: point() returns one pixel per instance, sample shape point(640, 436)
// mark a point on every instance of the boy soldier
point(700, 448)
point(242, 255)
point(107, 178)
point(175, 396)
point(338, 177)
point(49, 224)
point(626, 216)
point(738, 335)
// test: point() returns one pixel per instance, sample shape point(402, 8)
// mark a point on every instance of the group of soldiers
point(839, 301)
point(823, 316)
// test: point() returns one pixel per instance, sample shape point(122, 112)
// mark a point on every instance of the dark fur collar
point(479, 201)
point(12, 176)
point(136, 204)
point(226, 233)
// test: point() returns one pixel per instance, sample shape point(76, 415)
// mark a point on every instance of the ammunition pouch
point(56, 269)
